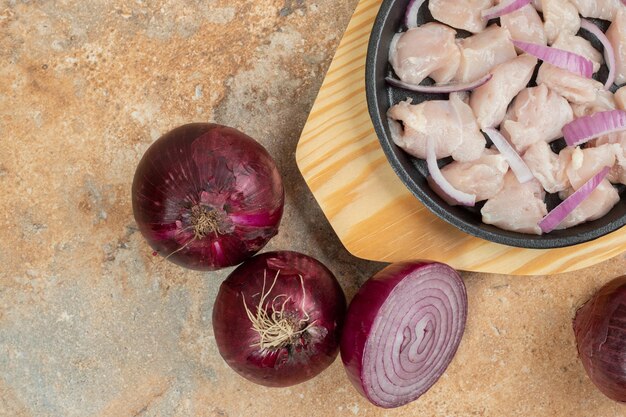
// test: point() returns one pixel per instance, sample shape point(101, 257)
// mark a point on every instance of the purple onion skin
point(305, 355)
point(214, 171)
point(600, 329)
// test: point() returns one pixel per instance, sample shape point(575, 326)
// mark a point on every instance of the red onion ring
point(517, 164)
point(453, 195)
point(559, 58)
point(560, 212)
point(410, 16)
point(402, 330)
point(586, 128)
point(448, 88)
point(609, 52)
point(505, 7)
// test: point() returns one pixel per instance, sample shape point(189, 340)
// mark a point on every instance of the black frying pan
point(413, 172)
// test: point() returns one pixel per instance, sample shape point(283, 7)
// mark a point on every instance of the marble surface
point(91, 324)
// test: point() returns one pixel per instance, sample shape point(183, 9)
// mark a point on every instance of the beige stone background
point(92, 325)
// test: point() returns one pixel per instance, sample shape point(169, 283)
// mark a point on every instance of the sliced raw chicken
point(525, 25)
point(482, 52)
point(490, 101)
point(537, 115)
point(618, 140)
point(620, 98)
point(601, 9)
point(472, 141)
point(460, 14)
point(617, 37)
point(547, 167)
point(559, 16)
point(585, 163)
point(580, 46)
point(599, 203)
point(445, 121)
point(573, 87)
point(517, 207)
point(483, 177)
point(604, 101)
point(426, 50)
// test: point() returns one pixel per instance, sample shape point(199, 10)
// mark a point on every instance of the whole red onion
point(277, 318)
point(207, 196)
point(600, 329)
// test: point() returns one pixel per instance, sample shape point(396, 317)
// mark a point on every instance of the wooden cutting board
point(372, 212)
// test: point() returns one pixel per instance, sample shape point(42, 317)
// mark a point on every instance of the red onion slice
point(559, 58)
point(448, 88)
point(517, 164)
point(505, 7)
point(454, 196)
point(609, 52)
point(410, 16)
point(402, 330)
point(586, 128)
point(560, 212)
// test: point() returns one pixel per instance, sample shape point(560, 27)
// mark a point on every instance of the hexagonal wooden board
point(372, 212)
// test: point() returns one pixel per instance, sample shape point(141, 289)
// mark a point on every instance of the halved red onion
point(609, 52)
point(453, 195)
point(517, 164)
point(447, 88)
point(402, 330)
point(505, 7)
point(560, 212)
point(559, 58)
point(410, 16)
point(586, 128)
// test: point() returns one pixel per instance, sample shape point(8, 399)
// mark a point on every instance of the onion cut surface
point(559, 58)
point(410, 17)
point(609, 52)
point(453, 195)
point(517, 164)
point(586, 128)
point(447, 88)
point(402, 330)
point(560, 212)
point(600, 329)
point(505, 7)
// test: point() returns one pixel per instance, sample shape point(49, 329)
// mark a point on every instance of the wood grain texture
point(372, 212)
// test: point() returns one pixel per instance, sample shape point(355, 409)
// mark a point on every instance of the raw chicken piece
point(601, 9)
point(585, 163)
point(537, 4)
point(445, 121)
point(573, 87)
point(482, 52)
point(559, 16)
point(599, 203)
point(472, 141)
point(517, 207)
point(617, 37)
point(620, 98)
point(525, 25)
point(604, 101)
point(490, 101)
point(580, 46)
point(426, 50)
point(547, 167)
point(483, 177)
point(537, 115)
point(618, 140)
point(460, 14)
